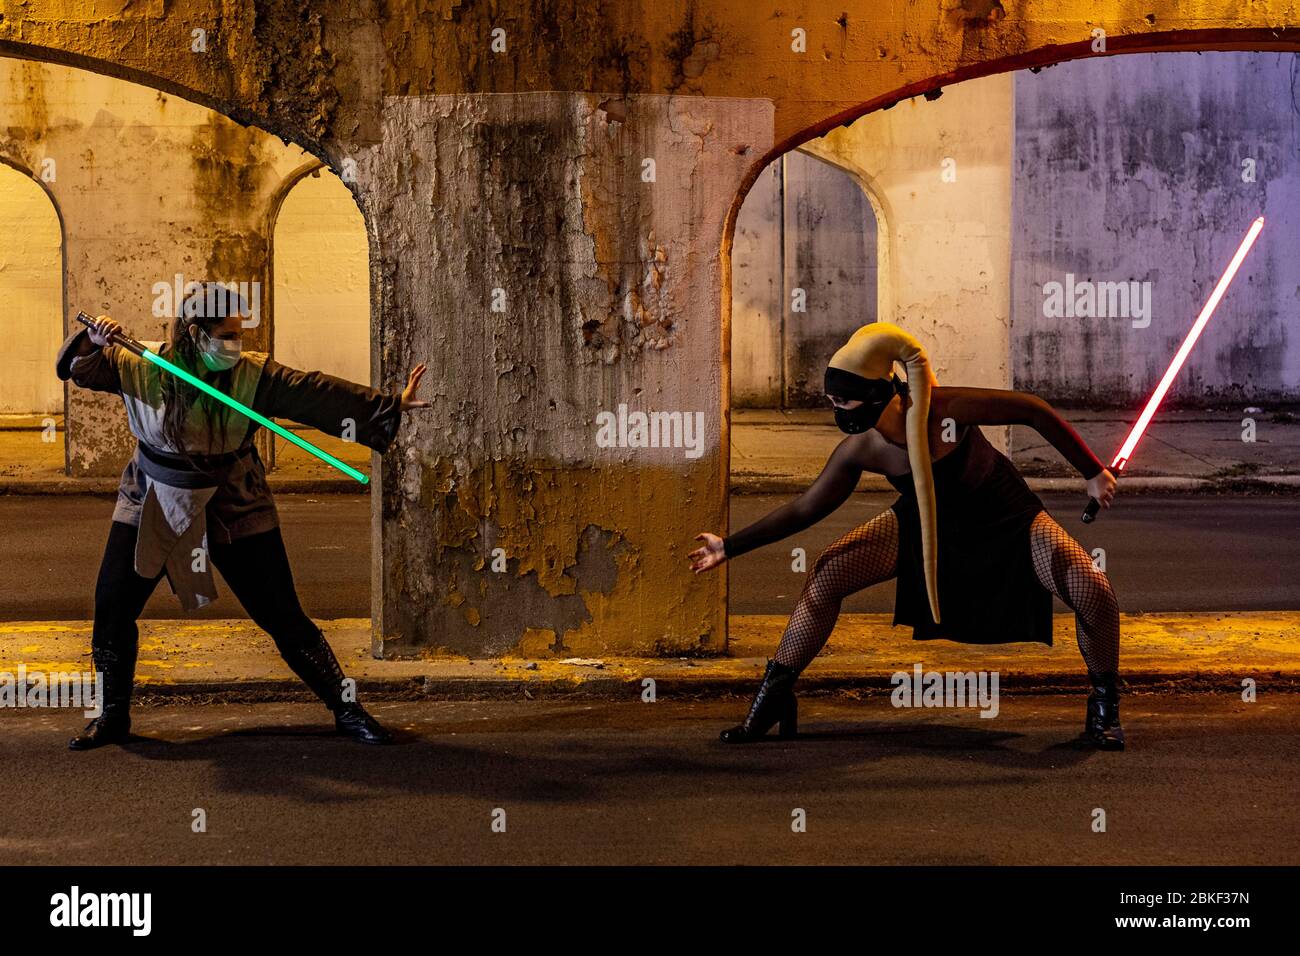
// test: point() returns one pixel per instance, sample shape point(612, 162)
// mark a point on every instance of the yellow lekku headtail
point(871, 353)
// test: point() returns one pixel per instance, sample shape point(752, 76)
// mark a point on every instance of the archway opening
point(31, 287)
point(320, 295)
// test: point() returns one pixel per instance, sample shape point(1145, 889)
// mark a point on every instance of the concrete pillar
point(556, 259)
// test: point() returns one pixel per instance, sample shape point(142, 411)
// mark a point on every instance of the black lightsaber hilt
point(1094, 506)
point(120, 338)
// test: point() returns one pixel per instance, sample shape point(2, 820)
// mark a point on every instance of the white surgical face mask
point(219, 354)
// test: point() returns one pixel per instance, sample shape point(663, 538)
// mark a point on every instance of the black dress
point(988, 591)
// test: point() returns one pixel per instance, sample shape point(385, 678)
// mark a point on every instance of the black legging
point(256, 568)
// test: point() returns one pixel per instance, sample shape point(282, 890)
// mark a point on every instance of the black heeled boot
point(774, 702)
point(319, 669)
point(113, 726)
point(1101, 726)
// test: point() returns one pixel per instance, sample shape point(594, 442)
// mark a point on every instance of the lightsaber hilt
point(119, 338)
point(1094, 506)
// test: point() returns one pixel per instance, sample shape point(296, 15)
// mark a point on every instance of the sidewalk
point(234, 660)
point(781, 452)
point(30, 466)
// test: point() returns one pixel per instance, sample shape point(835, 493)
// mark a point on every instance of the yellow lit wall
point(322, 283)
point(31, 296)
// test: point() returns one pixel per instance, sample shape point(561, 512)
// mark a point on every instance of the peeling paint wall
point(555, 285)
point(1149, 169)
point(808, 230)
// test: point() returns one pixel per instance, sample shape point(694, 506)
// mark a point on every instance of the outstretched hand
point(709, 555)
point(409, 400)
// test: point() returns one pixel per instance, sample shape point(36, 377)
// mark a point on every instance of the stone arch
point(880, 207)
point(19, 166)
point(291, 182)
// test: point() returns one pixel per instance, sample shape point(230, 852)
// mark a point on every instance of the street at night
point(597, 468)
point(632, 783)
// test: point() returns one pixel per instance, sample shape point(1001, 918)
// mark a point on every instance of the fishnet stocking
point(1066, 570)
point(865, 556)
point(868, 555)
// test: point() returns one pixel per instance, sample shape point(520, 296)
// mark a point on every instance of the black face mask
point(874, 393)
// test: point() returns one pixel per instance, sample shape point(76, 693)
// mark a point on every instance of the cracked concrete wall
point(147, 186)
point(1149, 170)
point(356, 81)
point(559, 286)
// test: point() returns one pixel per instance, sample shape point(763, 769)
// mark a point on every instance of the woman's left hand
point(1102, 487)
point(409, 400)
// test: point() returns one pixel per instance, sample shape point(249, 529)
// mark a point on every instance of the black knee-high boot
point(1101, 725)
point(319, 669)
point(775, 701)
point(113, 726)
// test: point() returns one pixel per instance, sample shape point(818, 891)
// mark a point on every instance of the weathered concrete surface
point(553, 296)
point(351, 80)
point(1148, 170)
point(146, 186)
point(803, 280)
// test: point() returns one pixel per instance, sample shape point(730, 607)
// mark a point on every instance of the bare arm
point(831, 489)
point(995, 406)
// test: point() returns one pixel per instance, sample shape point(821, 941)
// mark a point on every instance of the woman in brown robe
point(196, 483)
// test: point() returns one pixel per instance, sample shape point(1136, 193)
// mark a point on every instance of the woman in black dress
point(976, 555)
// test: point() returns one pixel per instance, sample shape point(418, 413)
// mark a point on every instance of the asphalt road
point(1163, 554)
point(1207, 780)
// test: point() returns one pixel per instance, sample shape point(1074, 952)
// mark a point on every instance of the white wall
point(944, 246)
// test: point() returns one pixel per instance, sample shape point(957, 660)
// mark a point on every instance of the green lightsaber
point(131, 345)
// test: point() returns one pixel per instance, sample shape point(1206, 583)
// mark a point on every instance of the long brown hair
point(179, 397)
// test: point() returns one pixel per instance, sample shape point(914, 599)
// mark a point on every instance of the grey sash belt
point(174, 470)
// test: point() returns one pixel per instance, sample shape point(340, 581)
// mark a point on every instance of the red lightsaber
point(1140, 426)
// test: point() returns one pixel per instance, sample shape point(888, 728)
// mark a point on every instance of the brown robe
point(178, 508)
